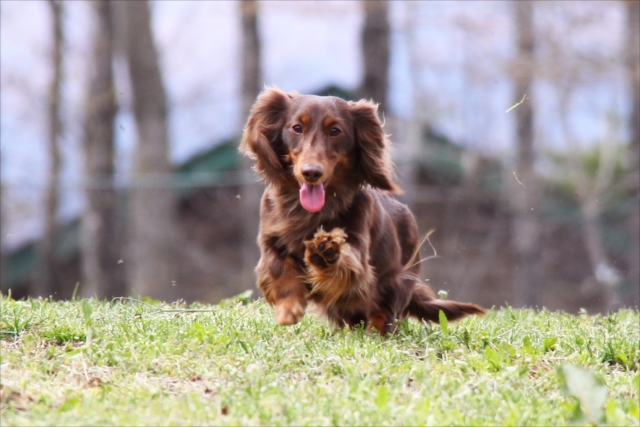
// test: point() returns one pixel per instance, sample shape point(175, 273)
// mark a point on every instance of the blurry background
point(120, 124)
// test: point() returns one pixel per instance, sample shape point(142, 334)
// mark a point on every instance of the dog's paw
point(289, 311)
point(324, 249)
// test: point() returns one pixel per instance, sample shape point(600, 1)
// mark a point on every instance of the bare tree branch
point(591, 192)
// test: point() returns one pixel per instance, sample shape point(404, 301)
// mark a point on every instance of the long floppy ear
point(373, 147)
point(261, 139)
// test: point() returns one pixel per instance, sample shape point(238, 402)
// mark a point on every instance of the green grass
point(95, 363)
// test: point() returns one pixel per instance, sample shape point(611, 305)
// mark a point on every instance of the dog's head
point(317, 143)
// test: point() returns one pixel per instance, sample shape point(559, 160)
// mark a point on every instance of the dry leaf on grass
point(13, 398)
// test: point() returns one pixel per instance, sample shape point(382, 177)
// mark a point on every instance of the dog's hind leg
point(393, 297)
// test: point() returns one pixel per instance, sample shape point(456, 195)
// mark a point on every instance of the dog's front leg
point(279, 279)
point(335, 267)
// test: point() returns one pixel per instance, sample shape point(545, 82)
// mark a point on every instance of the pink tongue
point(312, 197)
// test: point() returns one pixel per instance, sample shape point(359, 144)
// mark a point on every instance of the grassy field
point(94, 363)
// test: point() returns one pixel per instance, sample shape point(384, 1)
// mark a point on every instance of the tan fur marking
point(290, 310)
point(378, 321)
point(286, 292)
point(265, 284)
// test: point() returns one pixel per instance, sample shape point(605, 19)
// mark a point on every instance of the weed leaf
point(493, 357)
point(87, 310)
point(550, 343)
point(243, 298)
point(444, 323)
point(634, 409)
point(589, 391)
point(382, 398)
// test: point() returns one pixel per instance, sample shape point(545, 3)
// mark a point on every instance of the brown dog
point(330, 230)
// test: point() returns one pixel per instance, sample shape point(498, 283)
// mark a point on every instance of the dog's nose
point(312, 173)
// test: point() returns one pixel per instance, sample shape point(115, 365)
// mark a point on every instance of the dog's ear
point(261, 139)
point(373, 147)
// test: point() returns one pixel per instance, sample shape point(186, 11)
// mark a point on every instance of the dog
point(331, 231)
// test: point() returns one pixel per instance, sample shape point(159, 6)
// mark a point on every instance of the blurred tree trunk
point(375, 42)
point(251, 86)
point(250, 55)
point(45, 282)
point(633, 50)
point(98, 233)
point(151, 270)
point(409, 132)
point(525, 228)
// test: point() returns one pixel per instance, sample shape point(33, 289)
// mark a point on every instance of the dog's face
point(318, 135)
point(317, 143)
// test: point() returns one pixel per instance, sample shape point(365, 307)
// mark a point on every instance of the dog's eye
point(297, 128)
point(334, 132)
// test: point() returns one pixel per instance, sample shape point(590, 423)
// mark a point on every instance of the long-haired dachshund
point(331, 231)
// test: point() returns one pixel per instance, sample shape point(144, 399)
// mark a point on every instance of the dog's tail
point(425, 306)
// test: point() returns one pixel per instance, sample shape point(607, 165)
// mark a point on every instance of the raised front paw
point(324, 249)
